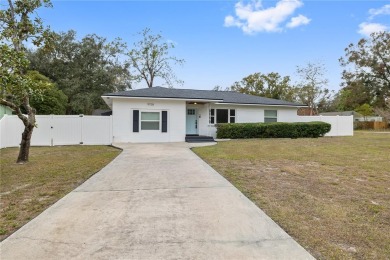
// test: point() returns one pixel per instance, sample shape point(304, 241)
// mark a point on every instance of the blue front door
point(191, 122)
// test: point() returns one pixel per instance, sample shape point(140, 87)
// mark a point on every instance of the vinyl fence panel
point(42, 133)
point(58, 130)
point(341, 125)
point(67, 130)
point(96, 130)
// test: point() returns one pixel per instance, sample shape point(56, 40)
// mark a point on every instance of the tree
point(312, 86)
point(219, 88)
point(365, 110)
point(83, 70)
point(270, 85)
point(18, 27)
point(368, 64)
point(352, 96)
point(150, 59)
point(384, 112)
point(54, 101)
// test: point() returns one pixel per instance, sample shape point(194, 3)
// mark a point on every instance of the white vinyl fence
point(341, 125)
point(54, 130)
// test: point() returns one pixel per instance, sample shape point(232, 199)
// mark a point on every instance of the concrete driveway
point(154, 201)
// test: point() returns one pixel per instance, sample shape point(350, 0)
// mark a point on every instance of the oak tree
point(367, 63)
point(311, 89)
point(19, 24)
point(150, 59)
point(271, 85)
point(83, 69)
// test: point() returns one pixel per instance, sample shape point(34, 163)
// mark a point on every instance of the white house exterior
point(169, 115)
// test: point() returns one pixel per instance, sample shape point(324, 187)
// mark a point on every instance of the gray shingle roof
point(221, 96)
point(342, 113)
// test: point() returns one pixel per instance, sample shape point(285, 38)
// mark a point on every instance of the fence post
point(110, 130)
point(2, 130)
point(81, 134)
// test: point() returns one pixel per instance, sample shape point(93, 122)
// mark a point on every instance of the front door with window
point(191, 122)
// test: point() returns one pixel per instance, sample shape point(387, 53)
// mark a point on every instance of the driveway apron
point(154, 201)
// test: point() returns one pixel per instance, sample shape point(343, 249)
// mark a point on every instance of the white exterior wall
point(123, 120)
point(341, 125)
point(247, 114)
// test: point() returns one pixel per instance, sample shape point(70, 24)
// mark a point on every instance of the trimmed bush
point(272, 130)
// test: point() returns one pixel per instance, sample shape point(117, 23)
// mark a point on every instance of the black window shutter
point(164, 126)
point(135, 120)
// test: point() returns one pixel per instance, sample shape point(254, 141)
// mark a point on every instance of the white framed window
point(222, 116)
point(232, 115)
point(150, 120)
point(270, 116)
point(212, 116)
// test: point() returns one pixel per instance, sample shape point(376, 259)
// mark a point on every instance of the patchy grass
point(26, 190)
point(331, 194)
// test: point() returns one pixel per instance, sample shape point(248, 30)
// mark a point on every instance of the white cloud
point(231, 21)
point(367, 28)
point(252, 17)
point(384, 10)
point(298, 21)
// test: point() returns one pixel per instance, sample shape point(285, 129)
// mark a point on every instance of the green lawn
point(27, 190)
point(331, 194)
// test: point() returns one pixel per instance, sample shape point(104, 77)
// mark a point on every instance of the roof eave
point(259, 104)
point(162, 98)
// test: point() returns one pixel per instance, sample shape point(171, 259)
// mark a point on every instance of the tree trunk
point(29, 124)
point(24, 150)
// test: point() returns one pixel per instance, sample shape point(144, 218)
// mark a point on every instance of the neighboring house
point(102, 112)
point(4, 110)
point(306, 111)
point(356, 116)
point(169, 115)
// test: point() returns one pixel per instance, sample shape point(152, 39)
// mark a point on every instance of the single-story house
point(169, 115)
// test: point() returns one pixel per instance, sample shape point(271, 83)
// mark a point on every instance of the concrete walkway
point(154, 201)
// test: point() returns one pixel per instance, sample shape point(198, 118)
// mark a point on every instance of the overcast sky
point(224, 41)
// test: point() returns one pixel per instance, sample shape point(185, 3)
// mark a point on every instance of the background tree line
point(365, 81)
point(85, 69)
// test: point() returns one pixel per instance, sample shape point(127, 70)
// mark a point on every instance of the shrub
point(272, 130)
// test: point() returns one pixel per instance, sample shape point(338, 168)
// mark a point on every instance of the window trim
point(213, 118)
point(148, 111)
point(271, 117)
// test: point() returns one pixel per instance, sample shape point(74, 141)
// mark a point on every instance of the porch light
point(195, 103)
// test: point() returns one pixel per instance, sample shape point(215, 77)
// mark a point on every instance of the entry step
point(199, 139)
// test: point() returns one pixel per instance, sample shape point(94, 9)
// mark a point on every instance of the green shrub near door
point(272, 130)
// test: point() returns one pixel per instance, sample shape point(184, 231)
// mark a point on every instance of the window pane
point(150, 116)
point(232, 119)
point(212, 112)
point(270, 113)
point(145, 125)
point(190, 111)
point(222, 115)
point(232, 112)
point(211, 120)
point(270, 120)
